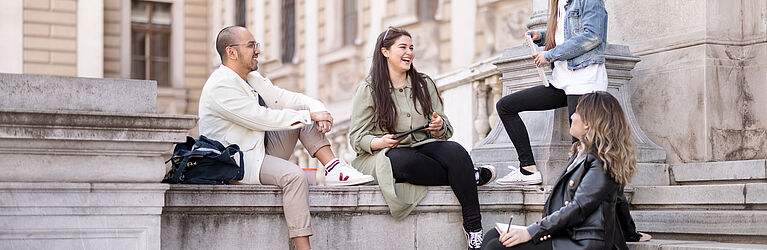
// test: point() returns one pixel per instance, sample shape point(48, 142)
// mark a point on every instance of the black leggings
point(441, 163)
point(531, 99)
point(490, 242)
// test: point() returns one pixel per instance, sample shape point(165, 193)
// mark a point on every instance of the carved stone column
point(481, 125)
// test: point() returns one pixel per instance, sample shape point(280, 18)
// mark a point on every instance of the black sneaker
point(484, 174)
point(473, 239)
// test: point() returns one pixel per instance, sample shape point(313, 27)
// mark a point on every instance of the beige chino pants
point(277, 170)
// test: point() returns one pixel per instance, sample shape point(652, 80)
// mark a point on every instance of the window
point(350, 21)
point(241, 13)
point(150, 45)
point(426, 10)
point(288, 24)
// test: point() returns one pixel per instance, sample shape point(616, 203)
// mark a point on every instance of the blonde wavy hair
point(608, 134)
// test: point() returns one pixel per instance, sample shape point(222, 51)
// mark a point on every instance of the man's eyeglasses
point(254, 46)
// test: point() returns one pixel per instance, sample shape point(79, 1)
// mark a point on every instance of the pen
point(509, 227)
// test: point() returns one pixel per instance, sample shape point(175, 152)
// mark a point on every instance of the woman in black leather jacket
point(580, 212)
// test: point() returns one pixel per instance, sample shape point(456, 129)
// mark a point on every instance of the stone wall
point(702, 78)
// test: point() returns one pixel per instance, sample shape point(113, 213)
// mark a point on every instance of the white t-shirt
point(575, 82)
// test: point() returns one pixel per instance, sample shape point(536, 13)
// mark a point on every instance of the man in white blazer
point(239, 106)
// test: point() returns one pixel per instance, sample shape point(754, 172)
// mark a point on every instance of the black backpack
point(204, 161)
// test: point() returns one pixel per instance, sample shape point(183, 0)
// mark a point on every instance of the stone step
point(685, 244)
point(651, 174)
point(720, 172)
point(720, 225)
point(703, 196)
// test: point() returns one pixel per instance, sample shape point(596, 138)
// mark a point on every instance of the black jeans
point(490, 242)
point(441, 163)
point(531, 99)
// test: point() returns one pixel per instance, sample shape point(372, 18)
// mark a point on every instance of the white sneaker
point(339, 173)
point(517, 178)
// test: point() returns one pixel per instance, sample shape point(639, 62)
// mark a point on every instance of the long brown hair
point(609, 134)
point(551, 25)
point(380, 82)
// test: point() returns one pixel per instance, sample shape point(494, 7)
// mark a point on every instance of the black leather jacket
point(580, 213)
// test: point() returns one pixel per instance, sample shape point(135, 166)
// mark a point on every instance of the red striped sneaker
point(339, 173)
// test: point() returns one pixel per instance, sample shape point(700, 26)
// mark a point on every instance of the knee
point(294, 177)
point(506, 105)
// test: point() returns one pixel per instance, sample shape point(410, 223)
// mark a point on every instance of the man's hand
point(514, 237)
point(322, 116)
point(324, 126)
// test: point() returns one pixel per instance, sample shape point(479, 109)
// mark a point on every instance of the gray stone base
point(250, 216)
point(80, 215)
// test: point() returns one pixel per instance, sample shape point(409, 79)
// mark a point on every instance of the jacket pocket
point(588, 234)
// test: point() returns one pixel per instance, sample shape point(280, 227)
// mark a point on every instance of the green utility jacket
point(401, 197)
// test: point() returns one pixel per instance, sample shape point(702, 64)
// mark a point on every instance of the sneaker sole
point(350, 182)
point(519, 182)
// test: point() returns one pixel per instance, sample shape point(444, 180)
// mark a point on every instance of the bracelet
point(443, 126)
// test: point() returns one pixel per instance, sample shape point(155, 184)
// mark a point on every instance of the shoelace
point(475, 239)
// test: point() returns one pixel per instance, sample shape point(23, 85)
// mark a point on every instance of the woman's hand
point(535, 35)
point(539, 58)
point(515, 237)
point(386, 141)
point(436, 126)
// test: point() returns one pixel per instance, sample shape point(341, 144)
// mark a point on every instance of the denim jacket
point(585, 35)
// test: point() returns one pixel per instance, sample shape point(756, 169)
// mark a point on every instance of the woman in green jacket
point(396, 98)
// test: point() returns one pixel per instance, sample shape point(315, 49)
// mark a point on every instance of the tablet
point(398, 136)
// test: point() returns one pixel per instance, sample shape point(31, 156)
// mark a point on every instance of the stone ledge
point(721, 171)
point(265, 198)
point(651, 174)
point(725, 194)
point(44, 92)
point(738, 222)
point(62, 199)
point(78, 146)
point(682, 244)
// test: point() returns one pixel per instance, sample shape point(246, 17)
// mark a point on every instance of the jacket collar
point(244, 84)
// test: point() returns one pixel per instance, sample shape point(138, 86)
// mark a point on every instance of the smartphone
point(398, 136)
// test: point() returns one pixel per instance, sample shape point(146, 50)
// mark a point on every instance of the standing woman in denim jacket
point(575, 41)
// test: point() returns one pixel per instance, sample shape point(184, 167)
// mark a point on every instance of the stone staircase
point(699, 204)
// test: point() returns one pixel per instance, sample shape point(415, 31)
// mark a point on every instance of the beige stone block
point(112, 4)
point(112, 66)
point(195, 9)
point(112, 41)
point(37, 4)
point(444, 32)
point(196, 58)
point(192, 46)
point(37, 29)
point(49, 44)
point(50, 69)
point(36, 16)
point(64, 5)
point(63, 57)
point(112, 29)
point(112, 15)
point(195, 68)
point(196, 34)
point(63, 31)
point(37, 56)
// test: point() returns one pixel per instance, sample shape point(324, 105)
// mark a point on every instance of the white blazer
point(229, 112)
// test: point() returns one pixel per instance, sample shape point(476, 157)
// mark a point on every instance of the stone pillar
point(549, 130)
point(82, 162)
